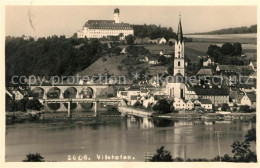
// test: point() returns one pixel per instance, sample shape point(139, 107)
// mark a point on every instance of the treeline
point(227, 54)
point(236, 30)
point(152, 31)
point(50, 56)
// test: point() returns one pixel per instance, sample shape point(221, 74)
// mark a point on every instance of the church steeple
point(179, 66)
point(179, 33)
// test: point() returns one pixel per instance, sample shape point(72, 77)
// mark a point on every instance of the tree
point(170, 43)
point(211, 48)
point(242, 152)
point(245, 108)
point(121, 35)
point(161, 155)
point(162, 59)
point(130, 39)
point(138, 104)
point(34, 158)
point(227, 48)
point(251, 135)
point(22, 104)
point(34, 104)
point(224, 107)
point(162, 106)
point(237, 49)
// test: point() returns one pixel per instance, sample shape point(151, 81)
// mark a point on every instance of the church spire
point(179, 33)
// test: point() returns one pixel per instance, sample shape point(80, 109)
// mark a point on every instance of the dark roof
point(106, 24)
point(205, 71)
point(116, 10)
point(211, 91)
point(251, 96)
point(179, 33)
point(158, 97)
point(228, 68)
point(205, 101)
point(134, 97)
point(138, 88)
point(99, 21)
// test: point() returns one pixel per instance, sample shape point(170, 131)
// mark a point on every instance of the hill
point(235, 30)
point(104, 65)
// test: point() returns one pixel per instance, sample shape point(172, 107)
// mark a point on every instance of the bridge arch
point(54, 93)
point(71, 92)
point(38, 92)
point(87, 92)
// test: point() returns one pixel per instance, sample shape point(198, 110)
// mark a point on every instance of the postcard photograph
point(125, 83)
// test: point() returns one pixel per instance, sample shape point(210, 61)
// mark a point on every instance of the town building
point(162, 40)
point(217, 95)
point(181, 104)
point(207, 62)
point(176, 87)
point(15, 94)
point(249, 99)
point(205, 72)
point(106, 28)
point(206, 104)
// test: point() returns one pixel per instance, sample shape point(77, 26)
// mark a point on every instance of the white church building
point(176, 87)
point(105, 28)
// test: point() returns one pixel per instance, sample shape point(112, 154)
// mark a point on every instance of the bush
point(34, 158)
point(162, 155)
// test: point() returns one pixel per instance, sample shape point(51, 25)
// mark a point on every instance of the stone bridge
point(79, 92)
point(95, 90)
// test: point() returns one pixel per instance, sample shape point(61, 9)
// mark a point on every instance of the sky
point(43, 21)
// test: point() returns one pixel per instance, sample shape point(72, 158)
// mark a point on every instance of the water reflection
point(131, 136)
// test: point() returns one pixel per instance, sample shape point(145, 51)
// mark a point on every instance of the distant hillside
point(236, 30)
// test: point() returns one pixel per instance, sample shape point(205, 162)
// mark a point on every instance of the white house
point(207, 62)
point(253, 65)
point(18, 94)
point(153, 61)
point(123, 51)
point(205, 103)
point(106, 28)
point(189, 104)
point(162, 40)
point(180, 104)
point(126, 94)
point(249, 99)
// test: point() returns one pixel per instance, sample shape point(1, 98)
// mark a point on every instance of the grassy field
point(241, 38)
point(104, 64)
point(193, 50)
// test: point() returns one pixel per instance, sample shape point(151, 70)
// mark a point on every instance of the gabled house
point(207, 62)
point(206, 104)
point(253, 65)
point(180, 104)
point(249, 99)
point(205, 72)
point(162, 40)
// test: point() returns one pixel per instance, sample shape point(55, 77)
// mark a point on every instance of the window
point(179, 63)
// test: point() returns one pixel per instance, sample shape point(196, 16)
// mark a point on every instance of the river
point(60, 141)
